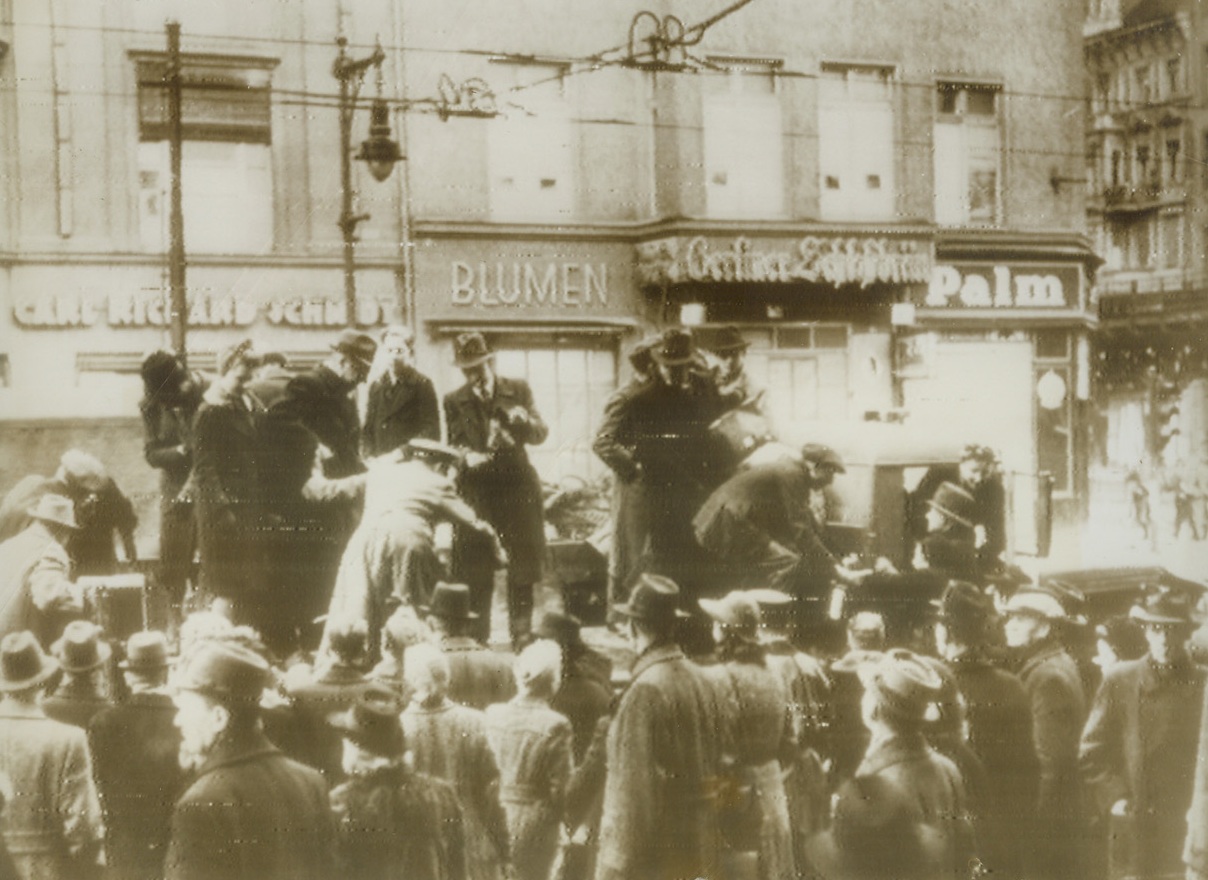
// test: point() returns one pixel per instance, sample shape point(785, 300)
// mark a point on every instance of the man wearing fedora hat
point(479, 676)
point(82, 655)
point(1139, 747)
point(52, 821)
point(37, 592)
point(492, 419)
point(135, 749)
point(251, 813)
point(392, 821)
point(665, 750)
point(979, 473)
point(735, 385)
point(1058, 708)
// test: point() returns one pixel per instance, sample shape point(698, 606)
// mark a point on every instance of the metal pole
point(347, 224)
point(176, 219)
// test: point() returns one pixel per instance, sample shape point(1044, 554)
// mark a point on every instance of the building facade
point(882, 196)
point(1146, 145)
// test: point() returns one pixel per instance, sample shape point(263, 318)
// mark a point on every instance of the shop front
point(558, 309)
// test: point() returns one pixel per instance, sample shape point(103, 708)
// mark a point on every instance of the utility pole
point(176, 219)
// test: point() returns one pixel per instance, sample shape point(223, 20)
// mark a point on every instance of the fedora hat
point(358, 346)
point(654, 599)
point(1035, 603)
point(727, 339)
point(451, 602)
point(1170, 601)
point(373, 722)
point(820, 455)
point(146, 651)
point(80, 648)
point(224, 670)
point(964, 605)
point(56, 509)
point(559, 627)
point(470, 350)
point(954, 502)
point(674, 347)
point(23, 663)
point(737, 610)
point(903, 682)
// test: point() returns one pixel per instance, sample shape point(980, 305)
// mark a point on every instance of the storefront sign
point(833, 260)
point(988, 286)
point(151, 309)
point(528, 284)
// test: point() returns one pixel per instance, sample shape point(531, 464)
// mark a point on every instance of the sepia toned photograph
point(566, 440)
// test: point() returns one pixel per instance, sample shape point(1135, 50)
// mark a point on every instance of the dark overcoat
point(505, 491)
point(399, 410)
point(135, 749)
point(665, 749)
point(1140, 744)
point(478, 676)
point(252, 814)
point(226, 489)
point(75, 702)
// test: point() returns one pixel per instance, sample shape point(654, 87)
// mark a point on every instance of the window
point(1172, 241)
point(1173, 146)
point(743, 142)
point(1142, 85)
point(532, 151)
point(1174, 77)
point(856, 142)
point(1142, 163)
point(967, 154)
point(226, 162)
point(1117, 158)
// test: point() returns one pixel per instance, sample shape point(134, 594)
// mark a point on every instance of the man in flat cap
point(1139, 747)
point(760, 525)
point(665, 750)
point(492, 419)
point(251, 813)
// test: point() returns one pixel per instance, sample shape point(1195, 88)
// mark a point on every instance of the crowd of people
point(326, 699)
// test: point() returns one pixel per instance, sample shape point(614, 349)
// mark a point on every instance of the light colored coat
point(36, 591)
point(52, 822)
point(532, 744)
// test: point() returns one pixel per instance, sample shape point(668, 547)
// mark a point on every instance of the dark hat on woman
point(470, 350)
point(361, 347)
point(451, 602)
point(654, 599)
point(373, 722)
point(903, 682)
point(23, 663)
point(727, 339)
point(80, 648)
point(675, 347)
point(225, 671)
point(954, 502)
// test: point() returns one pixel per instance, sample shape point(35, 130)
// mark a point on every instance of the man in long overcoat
point(1140, 743)
point(135, 749)
point(1058, 704)
point(665, 750)
point(402, 401)
point(251, 813)
point(493, 419)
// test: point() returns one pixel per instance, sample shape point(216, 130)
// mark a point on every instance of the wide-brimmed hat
point(674, 347)
point(373, 722)
point(470, 350)
point(903, 682)
point(964, 605)
point(737, 611)
point(146, 651)
point(727, 339)
point(654, 599)
point(23, 663)
point(955, 502)
point(56, 509)
point(821, 455)
point(559, 627)
point(1035, 603)
point(80, 648)
point(1170, 601)
point(361, 347)
point(451, 602)
point(224, 670)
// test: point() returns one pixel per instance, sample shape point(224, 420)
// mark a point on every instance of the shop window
point(532, 150)
point(967, 154)
point(856, 142)
point(743, 140)
point(226, 162)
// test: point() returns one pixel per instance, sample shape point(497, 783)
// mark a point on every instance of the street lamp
point(380, 152)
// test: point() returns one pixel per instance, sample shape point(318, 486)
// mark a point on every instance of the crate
point(120, 603)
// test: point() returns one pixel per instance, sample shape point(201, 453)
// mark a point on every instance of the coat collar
point(1038, 653)
point(11, 709)
point(892, 750)
point(654, 655)
point(238, 750)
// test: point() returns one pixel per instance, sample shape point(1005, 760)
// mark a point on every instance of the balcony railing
point(1152, 281)
point(1142, 195)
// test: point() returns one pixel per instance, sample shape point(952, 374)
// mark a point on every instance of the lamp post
point(380, 152)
